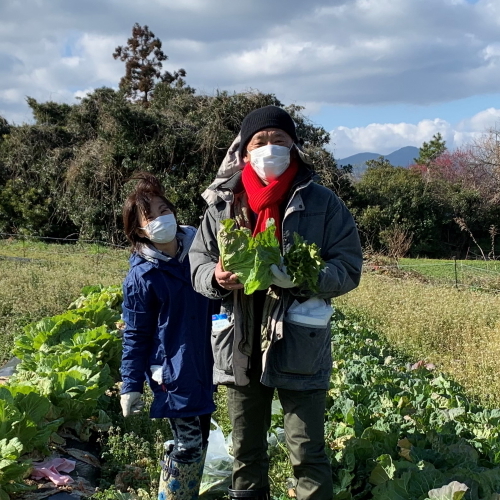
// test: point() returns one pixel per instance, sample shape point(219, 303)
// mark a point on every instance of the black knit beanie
point(266, 117)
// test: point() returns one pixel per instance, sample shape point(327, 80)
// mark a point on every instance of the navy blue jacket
point(168, 324)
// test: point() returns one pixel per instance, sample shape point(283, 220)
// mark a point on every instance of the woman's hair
point(139, 202)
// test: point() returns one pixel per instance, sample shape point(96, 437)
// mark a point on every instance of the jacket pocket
point(303, 350)
point(222, 344)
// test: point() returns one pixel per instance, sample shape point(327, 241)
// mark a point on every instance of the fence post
point(456, 271)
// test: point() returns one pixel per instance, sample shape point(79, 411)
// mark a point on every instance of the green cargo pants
point(250, 414)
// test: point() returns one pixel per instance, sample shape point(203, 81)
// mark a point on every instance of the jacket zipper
point(299, 188)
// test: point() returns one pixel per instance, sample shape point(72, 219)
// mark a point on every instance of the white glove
point(131, 403)
point(157, 373)
point(280, 277)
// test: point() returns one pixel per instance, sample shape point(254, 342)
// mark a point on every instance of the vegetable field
point(397, 427)
point(68, 363)
point(456, 329)
point(397, 430)
point(38, 279)
point(394, 430)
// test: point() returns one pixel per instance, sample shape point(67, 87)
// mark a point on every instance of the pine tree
point(143, 59)
point(431, 150)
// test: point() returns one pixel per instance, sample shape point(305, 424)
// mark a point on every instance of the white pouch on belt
point(312, 312)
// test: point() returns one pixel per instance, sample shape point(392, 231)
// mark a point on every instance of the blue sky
point(377, 74)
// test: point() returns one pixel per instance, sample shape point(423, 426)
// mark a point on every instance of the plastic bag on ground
point(218, 468)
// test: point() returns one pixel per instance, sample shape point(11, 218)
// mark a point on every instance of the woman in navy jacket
point(166, 340)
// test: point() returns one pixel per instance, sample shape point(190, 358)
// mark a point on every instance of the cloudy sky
point(378, 74)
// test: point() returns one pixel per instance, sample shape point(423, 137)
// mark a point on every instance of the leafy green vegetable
point(383, 471)
point(248, 257)
point(24, 416)
point(399, 433)
point(236, 249)
point(68, 362)
point(304, 263)
point(452, 491)
point(11, 468)
point(267, 252)
point(112, 296)
point(48, 332)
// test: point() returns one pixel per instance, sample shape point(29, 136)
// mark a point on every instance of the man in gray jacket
point(264, 346)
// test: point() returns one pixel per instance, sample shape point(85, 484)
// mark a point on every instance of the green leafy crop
point(68, 362)
point(11, 468)
point(303, 263)
point(401, 431)
point(251, 258)
point(248, 257)
point(235, 249)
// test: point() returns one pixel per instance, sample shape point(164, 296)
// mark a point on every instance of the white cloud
point(39, 70)
point(272, 59)
point(492, 51)
point(10, 95)
point(357, 52)
point(80, 94)
point(384, 138)
point(344, 52)
point(481, 121)
point(71, 62)
point(96, 54)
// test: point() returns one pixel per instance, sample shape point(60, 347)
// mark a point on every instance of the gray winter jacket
point(296, 357)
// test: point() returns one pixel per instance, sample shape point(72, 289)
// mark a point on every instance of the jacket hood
point(149, 253)
point(230, 166)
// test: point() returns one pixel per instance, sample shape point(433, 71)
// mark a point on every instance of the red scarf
point(265, 200)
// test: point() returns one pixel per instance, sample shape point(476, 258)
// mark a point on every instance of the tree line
point(446, 204)
point(66, 173)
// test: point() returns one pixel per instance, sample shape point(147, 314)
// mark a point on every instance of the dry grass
point(458, 330)
point(38, 280)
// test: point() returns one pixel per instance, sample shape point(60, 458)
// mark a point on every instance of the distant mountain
point(401, 158)
point(358, 159)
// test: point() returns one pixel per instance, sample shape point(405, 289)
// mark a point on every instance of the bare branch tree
point(397, 240)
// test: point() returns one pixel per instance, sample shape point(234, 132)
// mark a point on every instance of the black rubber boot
point(258, 494)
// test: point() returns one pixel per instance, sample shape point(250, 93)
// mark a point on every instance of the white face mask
point(270, 161)
point(162, 229)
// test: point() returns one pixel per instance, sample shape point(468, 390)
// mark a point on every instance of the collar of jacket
point(144, 264)
point(185, 237)
point(151, 254)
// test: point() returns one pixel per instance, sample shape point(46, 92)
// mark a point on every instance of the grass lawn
point(38, 280)
point(478, 273)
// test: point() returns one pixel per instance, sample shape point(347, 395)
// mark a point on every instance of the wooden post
point(456, 271)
